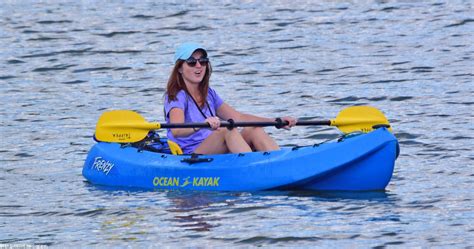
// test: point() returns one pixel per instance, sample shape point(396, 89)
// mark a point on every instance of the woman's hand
point(214, 122)
point(291, 122)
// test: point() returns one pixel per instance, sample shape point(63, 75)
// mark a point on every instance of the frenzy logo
point(102, 165)
point(162, 181)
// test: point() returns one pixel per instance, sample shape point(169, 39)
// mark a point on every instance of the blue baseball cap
point(185, 50)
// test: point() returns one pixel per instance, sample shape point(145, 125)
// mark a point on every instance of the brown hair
point(176, 83)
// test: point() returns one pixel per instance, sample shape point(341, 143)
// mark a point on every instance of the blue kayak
point(359, 162)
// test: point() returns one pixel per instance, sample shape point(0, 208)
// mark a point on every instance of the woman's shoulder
point(180, 96)
point(211, 91)
point(215, 97)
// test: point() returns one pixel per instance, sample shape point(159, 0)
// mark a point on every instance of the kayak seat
point(154, 143)
point(174, 147)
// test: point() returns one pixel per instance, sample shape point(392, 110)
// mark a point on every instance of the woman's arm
point(226, 112)
point(176, 115)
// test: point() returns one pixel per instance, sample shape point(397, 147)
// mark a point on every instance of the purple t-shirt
point(192, 115)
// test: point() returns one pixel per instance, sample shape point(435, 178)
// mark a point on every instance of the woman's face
point(194, 75)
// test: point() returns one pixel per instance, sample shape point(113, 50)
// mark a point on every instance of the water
point(63, 63)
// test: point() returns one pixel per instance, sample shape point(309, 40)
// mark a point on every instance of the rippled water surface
point(63, 63)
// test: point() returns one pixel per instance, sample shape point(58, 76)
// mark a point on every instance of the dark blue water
point(63, 63)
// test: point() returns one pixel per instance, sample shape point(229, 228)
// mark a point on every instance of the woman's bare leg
point(259, 139)
point(223, 141)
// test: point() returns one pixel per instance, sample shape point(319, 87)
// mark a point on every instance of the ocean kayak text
point(163, 181)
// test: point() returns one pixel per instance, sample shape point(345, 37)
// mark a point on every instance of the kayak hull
point(359, 163)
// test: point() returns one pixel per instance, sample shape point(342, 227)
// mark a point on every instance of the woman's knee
point(219, 134)
point(225, 133)
point(251, 132)
point(232, 132)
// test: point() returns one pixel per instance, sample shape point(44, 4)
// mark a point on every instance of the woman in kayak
point(189, 98)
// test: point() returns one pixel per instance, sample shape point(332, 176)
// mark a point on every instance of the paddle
point(125, 126)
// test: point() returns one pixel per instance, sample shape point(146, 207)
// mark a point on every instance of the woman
point(189, 98)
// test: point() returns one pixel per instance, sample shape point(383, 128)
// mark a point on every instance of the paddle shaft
point(243, 124)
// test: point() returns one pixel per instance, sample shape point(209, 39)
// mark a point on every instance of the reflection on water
point(187, 209)
point(64, 63)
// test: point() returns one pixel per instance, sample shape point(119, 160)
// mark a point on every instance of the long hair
point(176, 83)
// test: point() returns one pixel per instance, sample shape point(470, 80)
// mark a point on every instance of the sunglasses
point(192, 61)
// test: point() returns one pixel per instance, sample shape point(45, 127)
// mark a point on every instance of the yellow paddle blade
point(359, 118)
point(122, 126)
